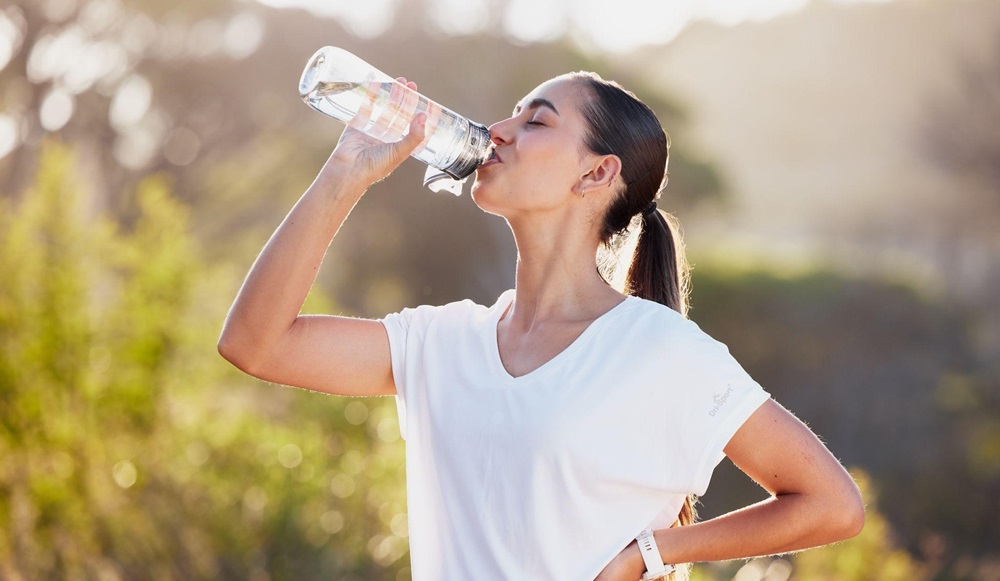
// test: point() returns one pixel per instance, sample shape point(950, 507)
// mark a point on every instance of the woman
point(546, 432)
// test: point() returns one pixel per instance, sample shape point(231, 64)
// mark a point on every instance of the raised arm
point(813, 502)
point(264, 335)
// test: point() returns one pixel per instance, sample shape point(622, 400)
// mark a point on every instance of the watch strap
point(655, 567)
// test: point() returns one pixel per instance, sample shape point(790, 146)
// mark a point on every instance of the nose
point(500, 132)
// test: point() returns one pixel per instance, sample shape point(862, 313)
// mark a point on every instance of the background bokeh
point(836, 166)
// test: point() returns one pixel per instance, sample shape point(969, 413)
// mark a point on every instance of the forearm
point(272, 295)
point(780, 524)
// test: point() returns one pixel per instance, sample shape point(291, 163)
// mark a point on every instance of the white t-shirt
point(549, 475)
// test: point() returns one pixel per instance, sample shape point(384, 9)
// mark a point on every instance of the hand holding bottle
point(363, 159)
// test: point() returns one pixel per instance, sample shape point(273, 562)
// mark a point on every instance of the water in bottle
point(343, 86)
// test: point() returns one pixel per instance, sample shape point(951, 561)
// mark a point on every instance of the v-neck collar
point(496, 363)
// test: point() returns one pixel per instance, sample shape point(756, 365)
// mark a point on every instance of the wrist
point(666, 543)
point(342, 178)
point(633, 560)
point(654, 567)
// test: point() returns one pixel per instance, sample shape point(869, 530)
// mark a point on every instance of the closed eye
point(538, 123)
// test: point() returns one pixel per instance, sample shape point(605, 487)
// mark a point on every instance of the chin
point(484, 197)
point(480, 195)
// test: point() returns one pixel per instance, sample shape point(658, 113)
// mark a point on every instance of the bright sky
point(618, 26)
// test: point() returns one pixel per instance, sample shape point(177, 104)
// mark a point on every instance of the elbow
point(854, 515)
point(847, 514)
point(227, 349)
point(233, 351)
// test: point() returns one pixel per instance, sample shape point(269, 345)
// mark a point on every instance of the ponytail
point(659, 269)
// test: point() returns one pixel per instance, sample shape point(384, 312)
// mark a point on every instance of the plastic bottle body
point(341, 85)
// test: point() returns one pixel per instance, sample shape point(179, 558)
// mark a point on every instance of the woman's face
point(540, 154)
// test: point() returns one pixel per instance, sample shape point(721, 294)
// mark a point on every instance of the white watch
point(655, 567)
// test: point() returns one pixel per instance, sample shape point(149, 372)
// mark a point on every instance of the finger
point(408, 84)
point(433, 112)
point(402, 105)
point(364, 115)
point(388, 109)
point(411, 140)
point(407, 106)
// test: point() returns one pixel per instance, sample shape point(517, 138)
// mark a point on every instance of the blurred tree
point(961, 136)
point(123, 457)
point(84, 69)
point(890, 379)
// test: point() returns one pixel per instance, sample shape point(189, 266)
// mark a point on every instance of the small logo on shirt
point(719, 400)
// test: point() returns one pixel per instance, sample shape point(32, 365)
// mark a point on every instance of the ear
point(602, 174)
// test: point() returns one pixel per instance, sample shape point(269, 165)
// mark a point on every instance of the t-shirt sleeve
point(406, 330)
point(716, 396)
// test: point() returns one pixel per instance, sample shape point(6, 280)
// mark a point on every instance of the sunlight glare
point(182, 146)
point(130, 103)
point(365, 19)
point(628, 24)
point(9, 135)
point(56, 110)
point(733, 12)
point(597, 25)
point(243, 35)
point(527, 21)
point(54, 53)
point(11, 34)
point(58, 10)
point(459, 17)
point(138, 143)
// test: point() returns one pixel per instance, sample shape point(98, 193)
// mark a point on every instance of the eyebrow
point(536, 103)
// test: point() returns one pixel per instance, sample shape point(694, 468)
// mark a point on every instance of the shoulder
point(663, 328)
point(658, 320)
point(465, 308)
point(423, 316)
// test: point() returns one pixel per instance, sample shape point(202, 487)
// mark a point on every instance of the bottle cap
point(476, 151)
point(473, 155)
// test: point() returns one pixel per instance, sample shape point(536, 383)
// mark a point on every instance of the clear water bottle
point(343, 86)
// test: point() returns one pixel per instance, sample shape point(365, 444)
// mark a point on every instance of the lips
point(493, 159)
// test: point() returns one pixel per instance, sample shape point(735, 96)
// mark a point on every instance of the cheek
point(542, 173)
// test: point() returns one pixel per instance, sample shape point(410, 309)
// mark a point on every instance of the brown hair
point(622, 125)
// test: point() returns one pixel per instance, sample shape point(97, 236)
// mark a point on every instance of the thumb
point(411, 140)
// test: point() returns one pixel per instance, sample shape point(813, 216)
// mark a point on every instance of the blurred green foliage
point(889, 377)
point(131, 451)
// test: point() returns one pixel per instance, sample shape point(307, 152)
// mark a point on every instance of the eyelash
point(539, 123)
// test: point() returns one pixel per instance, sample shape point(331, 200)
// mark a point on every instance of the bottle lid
point(476, 151)
point(473, 155)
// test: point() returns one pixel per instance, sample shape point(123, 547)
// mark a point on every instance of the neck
point(557, 278)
